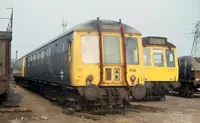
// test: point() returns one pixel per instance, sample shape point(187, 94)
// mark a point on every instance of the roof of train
point(156, 41)
point(92, 25)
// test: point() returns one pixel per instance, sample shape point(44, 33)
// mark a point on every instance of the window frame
point(120, 62)
point(150, 56)
point(163, 59)
point(174, 62)
point(97, 61)
point(138, 53)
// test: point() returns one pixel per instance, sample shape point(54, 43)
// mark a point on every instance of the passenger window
point(52, 55)
point(132, 51)
point(158, 58)
point(147, 57)
point(45, 56)
point(40, 58)
point(170, 58)
point(34, 59)
point(90, 49)
point(111, 49)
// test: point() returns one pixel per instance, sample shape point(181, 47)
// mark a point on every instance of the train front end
point(105, 64)
point(161, 67)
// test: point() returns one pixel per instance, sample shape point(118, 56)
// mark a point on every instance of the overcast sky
point(37, 21)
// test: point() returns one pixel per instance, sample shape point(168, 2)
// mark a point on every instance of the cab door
point(112, 59)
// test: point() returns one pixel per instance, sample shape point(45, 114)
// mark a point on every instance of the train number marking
point(132, 70)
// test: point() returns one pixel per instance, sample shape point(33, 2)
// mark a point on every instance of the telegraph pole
point(195, 52)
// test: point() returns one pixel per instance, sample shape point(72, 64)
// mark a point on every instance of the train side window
point(90, 49)
point(147, 57)
point(170, 58)
point(39, 55)
point(31, 59)
point(52, 58)
point(45, 56)
point(158, 57)
point(132, 51)
point(34, 59)
point(63, 50)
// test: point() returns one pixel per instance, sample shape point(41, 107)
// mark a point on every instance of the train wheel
point(139, 92)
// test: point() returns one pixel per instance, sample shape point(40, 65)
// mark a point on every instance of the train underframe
point(89, 99)
point(159, 90)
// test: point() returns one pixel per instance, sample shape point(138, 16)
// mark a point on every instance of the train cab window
point(170, 58)
point(132, 51)
point(90, 49)
point(147, 57)
point(111, 49)
point(158, 57)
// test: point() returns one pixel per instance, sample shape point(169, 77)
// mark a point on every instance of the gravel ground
point(174, 109)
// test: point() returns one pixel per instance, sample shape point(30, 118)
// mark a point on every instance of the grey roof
point(107, 25)
point(113, 26)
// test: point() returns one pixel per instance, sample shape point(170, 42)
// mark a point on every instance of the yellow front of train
point(161, 66)
point(107, 61)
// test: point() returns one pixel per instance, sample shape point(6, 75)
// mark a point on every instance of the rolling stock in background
point(161, 67)
point(189, 76)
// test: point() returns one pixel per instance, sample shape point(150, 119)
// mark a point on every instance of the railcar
point(161, 66)
point(189, 76)
point(5, 41)
point(92, 67)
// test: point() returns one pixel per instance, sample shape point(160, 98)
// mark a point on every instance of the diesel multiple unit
point(160, 65)
point(93, 66)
